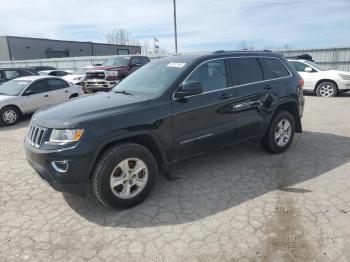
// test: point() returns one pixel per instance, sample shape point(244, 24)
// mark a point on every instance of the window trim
point(234, 86)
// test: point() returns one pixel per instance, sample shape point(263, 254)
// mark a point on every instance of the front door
point(36, 96)
point(202, 122)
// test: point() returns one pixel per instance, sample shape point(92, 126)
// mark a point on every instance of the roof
point(33, 78)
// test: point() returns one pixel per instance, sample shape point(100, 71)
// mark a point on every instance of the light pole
point(175, 27)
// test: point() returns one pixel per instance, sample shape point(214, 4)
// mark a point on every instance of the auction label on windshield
point(176, 65)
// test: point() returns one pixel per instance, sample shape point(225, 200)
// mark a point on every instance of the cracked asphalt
point(236, 204)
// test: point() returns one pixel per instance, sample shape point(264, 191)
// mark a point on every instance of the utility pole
point(175, 27)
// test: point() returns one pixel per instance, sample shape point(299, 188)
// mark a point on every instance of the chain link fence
point(332, 58)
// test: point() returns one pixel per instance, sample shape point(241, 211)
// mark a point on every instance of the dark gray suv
point(168, 110)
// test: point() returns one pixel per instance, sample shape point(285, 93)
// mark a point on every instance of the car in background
point(78, 76)
point(55, 72)
point(7, 74)
point(25, 95)
point(319, 80)
point(112, 71)
point(43, 68)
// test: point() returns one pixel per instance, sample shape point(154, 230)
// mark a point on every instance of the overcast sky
point(202, 24)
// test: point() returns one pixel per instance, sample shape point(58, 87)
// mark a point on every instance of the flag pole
point(175, 27)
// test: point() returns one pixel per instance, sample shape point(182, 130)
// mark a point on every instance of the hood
point(86, 108)
point(103, 68)
point(338, 72)
point(72, 77)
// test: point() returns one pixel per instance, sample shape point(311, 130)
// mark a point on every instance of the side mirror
point(308, 69)
point(28, 92)
point(189, 88)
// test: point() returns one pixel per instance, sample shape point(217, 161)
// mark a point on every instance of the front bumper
point(344, 86)
point(75, 180)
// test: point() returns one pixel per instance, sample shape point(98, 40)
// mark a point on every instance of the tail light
point(301, 83)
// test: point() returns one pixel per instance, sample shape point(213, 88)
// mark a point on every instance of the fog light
point(60, 166)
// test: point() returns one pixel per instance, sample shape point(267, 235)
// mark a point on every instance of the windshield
point(117, 61)
point(13, 87)
point(151, 79)
point(80, 71)
point(317, 66)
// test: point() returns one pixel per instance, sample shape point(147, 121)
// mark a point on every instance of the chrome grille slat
point(36, 135)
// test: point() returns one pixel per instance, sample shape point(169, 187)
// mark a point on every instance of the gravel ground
point(236, 204)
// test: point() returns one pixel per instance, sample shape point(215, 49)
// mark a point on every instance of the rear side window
point(144, 60)
point(55, 84)
point(212, 75)
point(245, 70)
point(273, 68)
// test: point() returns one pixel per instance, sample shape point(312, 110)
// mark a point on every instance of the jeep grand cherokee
point(168, 110)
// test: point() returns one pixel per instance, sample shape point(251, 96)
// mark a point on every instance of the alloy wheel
point(326, 90)
point(9, 116)
point(129, 178)
point(283, 132)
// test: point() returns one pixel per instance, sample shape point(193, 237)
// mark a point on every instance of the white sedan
point(325, 83)
point(25, 95)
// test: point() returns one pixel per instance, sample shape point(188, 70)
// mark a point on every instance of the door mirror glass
point(189, 88)
point(308, 69)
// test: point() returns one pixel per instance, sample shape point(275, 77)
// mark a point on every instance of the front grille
point(95, 75)
point(36, 135)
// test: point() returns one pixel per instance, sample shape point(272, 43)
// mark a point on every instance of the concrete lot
point(238, 203)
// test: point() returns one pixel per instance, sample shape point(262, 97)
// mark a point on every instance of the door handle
point(66, 91)
point(46, 95)
point(268, 87)
point(226, 96)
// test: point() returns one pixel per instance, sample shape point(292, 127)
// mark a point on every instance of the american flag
point(156, 42)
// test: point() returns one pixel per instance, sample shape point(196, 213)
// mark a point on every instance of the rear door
point(252, 96)
point(58, 90)
point(202, 122)
point(36, 96)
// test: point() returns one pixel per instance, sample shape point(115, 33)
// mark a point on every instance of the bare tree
point(145, 47)
point(120, 37)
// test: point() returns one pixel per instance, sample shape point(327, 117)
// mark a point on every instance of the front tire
point(326, 89)
point(124, 175)
point(9, 115)
point(280, 134)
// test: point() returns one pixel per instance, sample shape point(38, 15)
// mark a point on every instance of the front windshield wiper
point(124, 92)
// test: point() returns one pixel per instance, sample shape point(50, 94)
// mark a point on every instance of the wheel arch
point(15, 106)
point(325, 80)
point(291, 107)
point(145, 139)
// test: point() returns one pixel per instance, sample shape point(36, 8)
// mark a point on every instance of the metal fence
point(332, 58)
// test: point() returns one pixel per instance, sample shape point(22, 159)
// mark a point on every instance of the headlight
point(62, 136)
point(344, 76)
point(111, 73)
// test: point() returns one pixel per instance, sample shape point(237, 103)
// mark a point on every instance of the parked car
point(78, 76)
point(43, 68)
point(7, 74)
point(27, 94)
point(319, 80)
point(170, 109)
point(112, 71)
point(55, 72)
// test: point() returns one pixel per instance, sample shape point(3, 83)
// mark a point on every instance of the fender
point(132, 136)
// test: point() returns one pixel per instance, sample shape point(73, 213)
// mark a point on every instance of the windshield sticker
point(179, 65)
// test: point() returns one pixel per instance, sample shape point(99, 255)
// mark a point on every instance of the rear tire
point(9, 115)
point(124, 175)
point(280, 134)
point(326, 89)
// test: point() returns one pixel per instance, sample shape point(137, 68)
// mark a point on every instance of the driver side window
point(211, 75)
point(38, 87)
